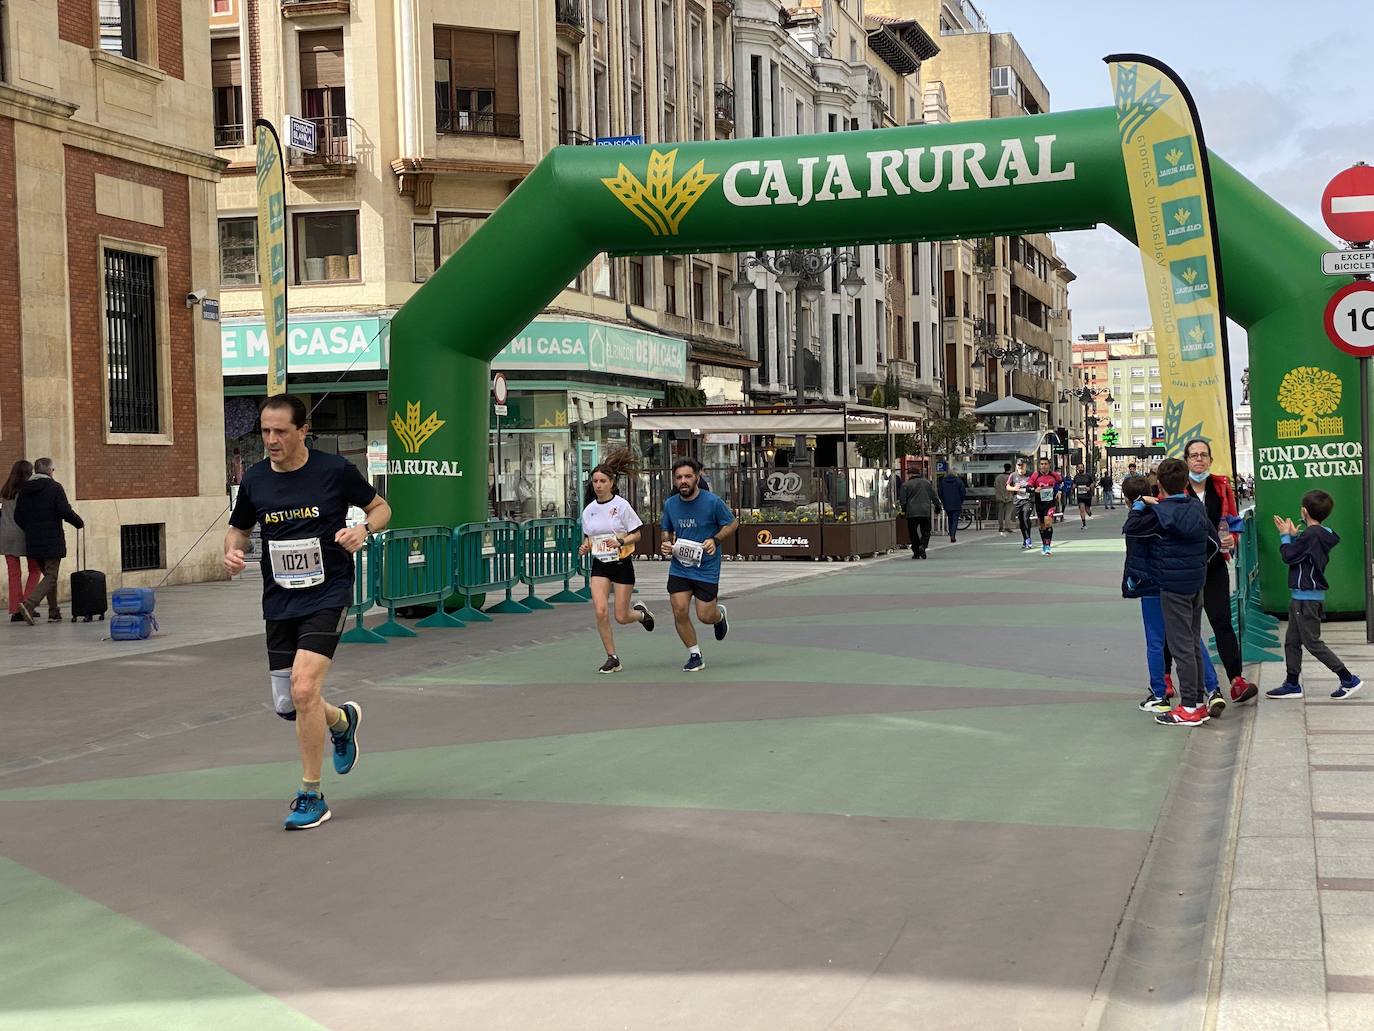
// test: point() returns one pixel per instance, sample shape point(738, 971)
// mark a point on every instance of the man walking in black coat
point(952, 490)
point(39, 511)
point(917, 499)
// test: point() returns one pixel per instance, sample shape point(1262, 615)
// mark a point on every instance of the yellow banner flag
point(1171, 198)
point(272, 251)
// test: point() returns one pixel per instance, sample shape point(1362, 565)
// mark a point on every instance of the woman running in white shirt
point(611, 532)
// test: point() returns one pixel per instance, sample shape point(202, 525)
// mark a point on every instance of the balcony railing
point(228, 136)
point(573, 138)
point(476, 123)
point(570, 13)
point(333, 145)
point(725, 105)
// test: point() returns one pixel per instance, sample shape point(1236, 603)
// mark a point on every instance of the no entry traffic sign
point(1348, 204)
point(1349, 319)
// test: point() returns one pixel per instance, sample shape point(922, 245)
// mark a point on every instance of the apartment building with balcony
point(996, 297)
point(107, 193)
point(818, 67)
point(428, 115)
point(1125, 367)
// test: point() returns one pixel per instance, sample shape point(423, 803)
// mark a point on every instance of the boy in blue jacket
point(1183, 540)
point(1137, 581)
point(1306, 554)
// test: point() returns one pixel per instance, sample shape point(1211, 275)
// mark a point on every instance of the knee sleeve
point(281, 694)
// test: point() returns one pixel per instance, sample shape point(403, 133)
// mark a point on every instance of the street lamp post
point(799, 272)
point(1087, 396)
point(1017, 351)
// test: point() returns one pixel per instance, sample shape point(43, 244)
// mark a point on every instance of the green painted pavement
point(1080, 765)
point(70, 964)
point(1024, 616)
point(658, 660)
point(959, 580)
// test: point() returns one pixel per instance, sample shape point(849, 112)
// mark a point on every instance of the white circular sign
point(498, 388)
point(1350, 319)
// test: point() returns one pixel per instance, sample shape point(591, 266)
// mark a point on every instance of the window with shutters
point(124, 29)
point(238, 252)
point(324, 97)
point(667, 68)
point(670, 270)
point(136, 331)
point(637, 281)
point(436, 241)
point(326, 247)
point(725, 306)
point(227, 78)
point(701, 292)
point(476, 82)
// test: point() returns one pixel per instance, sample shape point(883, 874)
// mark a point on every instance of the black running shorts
point(699, 589)
point(317, 632)
point(619, 572)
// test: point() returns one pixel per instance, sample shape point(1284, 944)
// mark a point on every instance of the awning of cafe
point(811, 420)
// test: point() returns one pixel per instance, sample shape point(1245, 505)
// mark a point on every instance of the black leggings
point(1023, 520)
point(1216, 602)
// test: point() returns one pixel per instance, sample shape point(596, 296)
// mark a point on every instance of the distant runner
point(611, 530)
point(1083, 489)
point(694, 524)
point(1019, 484)
point(1044, 491)
point(301, 498)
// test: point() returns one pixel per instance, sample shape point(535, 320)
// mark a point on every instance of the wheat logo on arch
point(412, 432)
point(660, 202)
point(1312, 394)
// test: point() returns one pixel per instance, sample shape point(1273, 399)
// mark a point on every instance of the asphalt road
point(907, 795)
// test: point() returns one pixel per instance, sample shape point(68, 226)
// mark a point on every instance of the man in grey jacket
point(917, 499)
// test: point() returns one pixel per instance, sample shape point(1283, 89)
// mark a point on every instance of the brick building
point(107, 193)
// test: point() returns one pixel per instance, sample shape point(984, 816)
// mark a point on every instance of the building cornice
point(59, 116)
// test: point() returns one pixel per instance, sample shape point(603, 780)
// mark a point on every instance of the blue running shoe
point(1348, 687)
point(308, 809)
point(1287, 689)
point(346, 744)
point(695, 663)
point(722, 627)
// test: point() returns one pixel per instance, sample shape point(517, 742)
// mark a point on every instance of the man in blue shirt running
point(694, 524)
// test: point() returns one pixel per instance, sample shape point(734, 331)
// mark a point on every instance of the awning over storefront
point(580, 346)
point(809, 420)
point(335, 342)
point(1025, 443)
point(1008, 406)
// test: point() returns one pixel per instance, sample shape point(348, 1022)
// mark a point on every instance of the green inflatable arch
point(1006, 176)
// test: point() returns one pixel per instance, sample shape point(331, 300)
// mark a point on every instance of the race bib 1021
point(298, 563)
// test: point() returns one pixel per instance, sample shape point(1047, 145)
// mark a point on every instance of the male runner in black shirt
point(301, 499)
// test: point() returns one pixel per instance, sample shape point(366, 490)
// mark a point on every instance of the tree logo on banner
point(1312, 394)
point(661, 201)
point(412, 432)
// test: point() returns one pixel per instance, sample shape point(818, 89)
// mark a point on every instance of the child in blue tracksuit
point(1137, 581)
point(1306, 555)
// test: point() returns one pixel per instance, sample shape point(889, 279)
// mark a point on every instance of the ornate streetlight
point(1087, 396)
point(799, 272)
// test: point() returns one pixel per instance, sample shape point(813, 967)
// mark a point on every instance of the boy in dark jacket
point(1137, 581)
point(953, 491)
point(1306, 555)
point(1182, 541)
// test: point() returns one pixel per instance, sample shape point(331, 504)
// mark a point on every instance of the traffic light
point(1110, 436)
point(1063, 435)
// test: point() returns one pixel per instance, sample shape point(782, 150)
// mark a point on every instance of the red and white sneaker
point(1168, 687)
point(1182, 716)
point(1243, 691)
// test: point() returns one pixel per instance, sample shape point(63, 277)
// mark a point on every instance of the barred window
point(140, 546)
point(132, 351)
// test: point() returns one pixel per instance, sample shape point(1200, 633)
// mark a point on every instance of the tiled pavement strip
point(1298, 951)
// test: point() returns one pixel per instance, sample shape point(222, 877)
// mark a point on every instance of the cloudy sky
point(1277, 89)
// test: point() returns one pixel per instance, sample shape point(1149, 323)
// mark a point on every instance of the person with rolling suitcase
point(40, 510)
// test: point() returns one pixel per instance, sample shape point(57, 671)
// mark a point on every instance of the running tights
point(1023, 520)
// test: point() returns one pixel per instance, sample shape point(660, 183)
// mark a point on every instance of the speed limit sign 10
point(1349, 319)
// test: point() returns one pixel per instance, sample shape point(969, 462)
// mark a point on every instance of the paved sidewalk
point(191, 614)
point(1298, 952)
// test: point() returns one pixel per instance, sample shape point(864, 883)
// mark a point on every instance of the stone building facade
point(107, 185)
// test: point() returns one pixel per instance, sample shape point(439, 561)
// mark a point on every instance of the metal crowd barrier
point(1255, 628)
point(549, 552)
point(416, 569)
point(487, 558)
point(366, 586)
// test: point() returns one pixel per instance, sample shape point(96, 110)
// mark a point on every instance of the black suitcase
point(89, 595)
